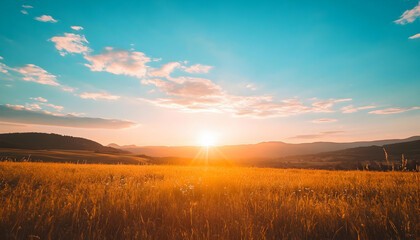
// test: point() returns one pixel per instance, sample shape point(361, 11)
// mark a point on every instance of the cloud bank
point(19, 114)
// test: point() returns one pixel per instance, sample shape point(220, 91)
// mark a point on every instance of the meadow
point(80, 201)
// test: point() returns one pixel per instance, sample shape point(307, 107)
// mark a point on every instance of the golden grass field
point(70, 201)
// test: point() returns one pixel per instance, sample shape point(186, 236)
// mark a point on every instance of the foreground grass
point(66, 201)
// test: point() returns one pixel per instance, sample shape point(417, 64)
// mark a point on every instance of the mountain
point(40, 141)
point(355, 158)
point(260, 150)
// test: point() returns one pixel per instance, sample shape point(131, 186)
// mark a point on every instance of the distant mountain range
point(260, 150)
point(355, 158)
point(43, 141)
point(319, 155)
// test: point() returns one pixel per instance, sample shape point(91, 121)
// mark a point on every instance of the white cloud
point(70, 43)
point(27, 6)
point(24, 12)
point(197, 68)
point(15, 107)
point(36, 74)
point(415, 36)
point(77, 28)
point(409, 16)
point(39, 99)
point(33, 106)
point(96, 96)
point(119, 62)
point(46, 18)
point(393, 110)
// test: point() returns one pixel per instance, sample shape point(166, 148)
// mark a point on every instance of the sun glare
point(207, 139)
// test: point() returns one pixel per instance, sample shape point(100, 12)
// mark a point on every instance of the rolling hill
point(355, 158)
point(43, 141)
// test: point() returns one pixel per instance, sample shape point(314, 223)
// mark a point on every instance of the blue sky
point(163, 72)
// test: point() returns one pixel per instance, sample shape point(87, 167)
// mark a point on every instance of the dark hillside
point(43, 141)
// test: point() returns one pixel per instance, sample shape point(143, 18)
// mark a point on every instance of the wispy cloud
point(77, 28)
point(36, 74)
point(70, 43)
point(415, 36)
point(317, 135)
point(42, 102)
point(96, 96)
point(24, 11)
point(119, 62)
point(11, 124)
point(46, 18)
point(409, 16)
point(393, 110)
point(324, 120)
point(198, 68)
point(251, 86)
point(326, 105)
point(3, 67)
point(55, 107)
point(27, 6)
point(352, 109)
point(19, 114)
point(165, 71)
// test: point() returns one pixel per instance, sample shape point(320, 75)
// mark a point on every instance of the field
point(78, 201)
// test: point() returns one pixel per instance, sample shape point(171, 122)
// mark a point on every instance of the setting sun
point(225, 119)
point(207, 139)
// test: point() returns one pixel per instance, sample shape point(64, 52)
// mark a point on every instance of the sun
point(207, 139)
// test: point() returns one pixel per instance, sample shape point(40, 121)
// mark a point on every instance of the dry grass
point(67, 201)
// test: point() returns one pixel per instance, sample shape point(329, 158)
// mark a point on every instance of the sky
point(169, 72)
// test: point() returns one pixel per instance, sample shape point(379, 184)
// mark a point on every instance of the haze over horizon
point(185, 73)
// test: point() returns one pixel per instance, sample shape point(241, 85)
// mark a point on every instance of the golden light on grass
point(186, 202)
